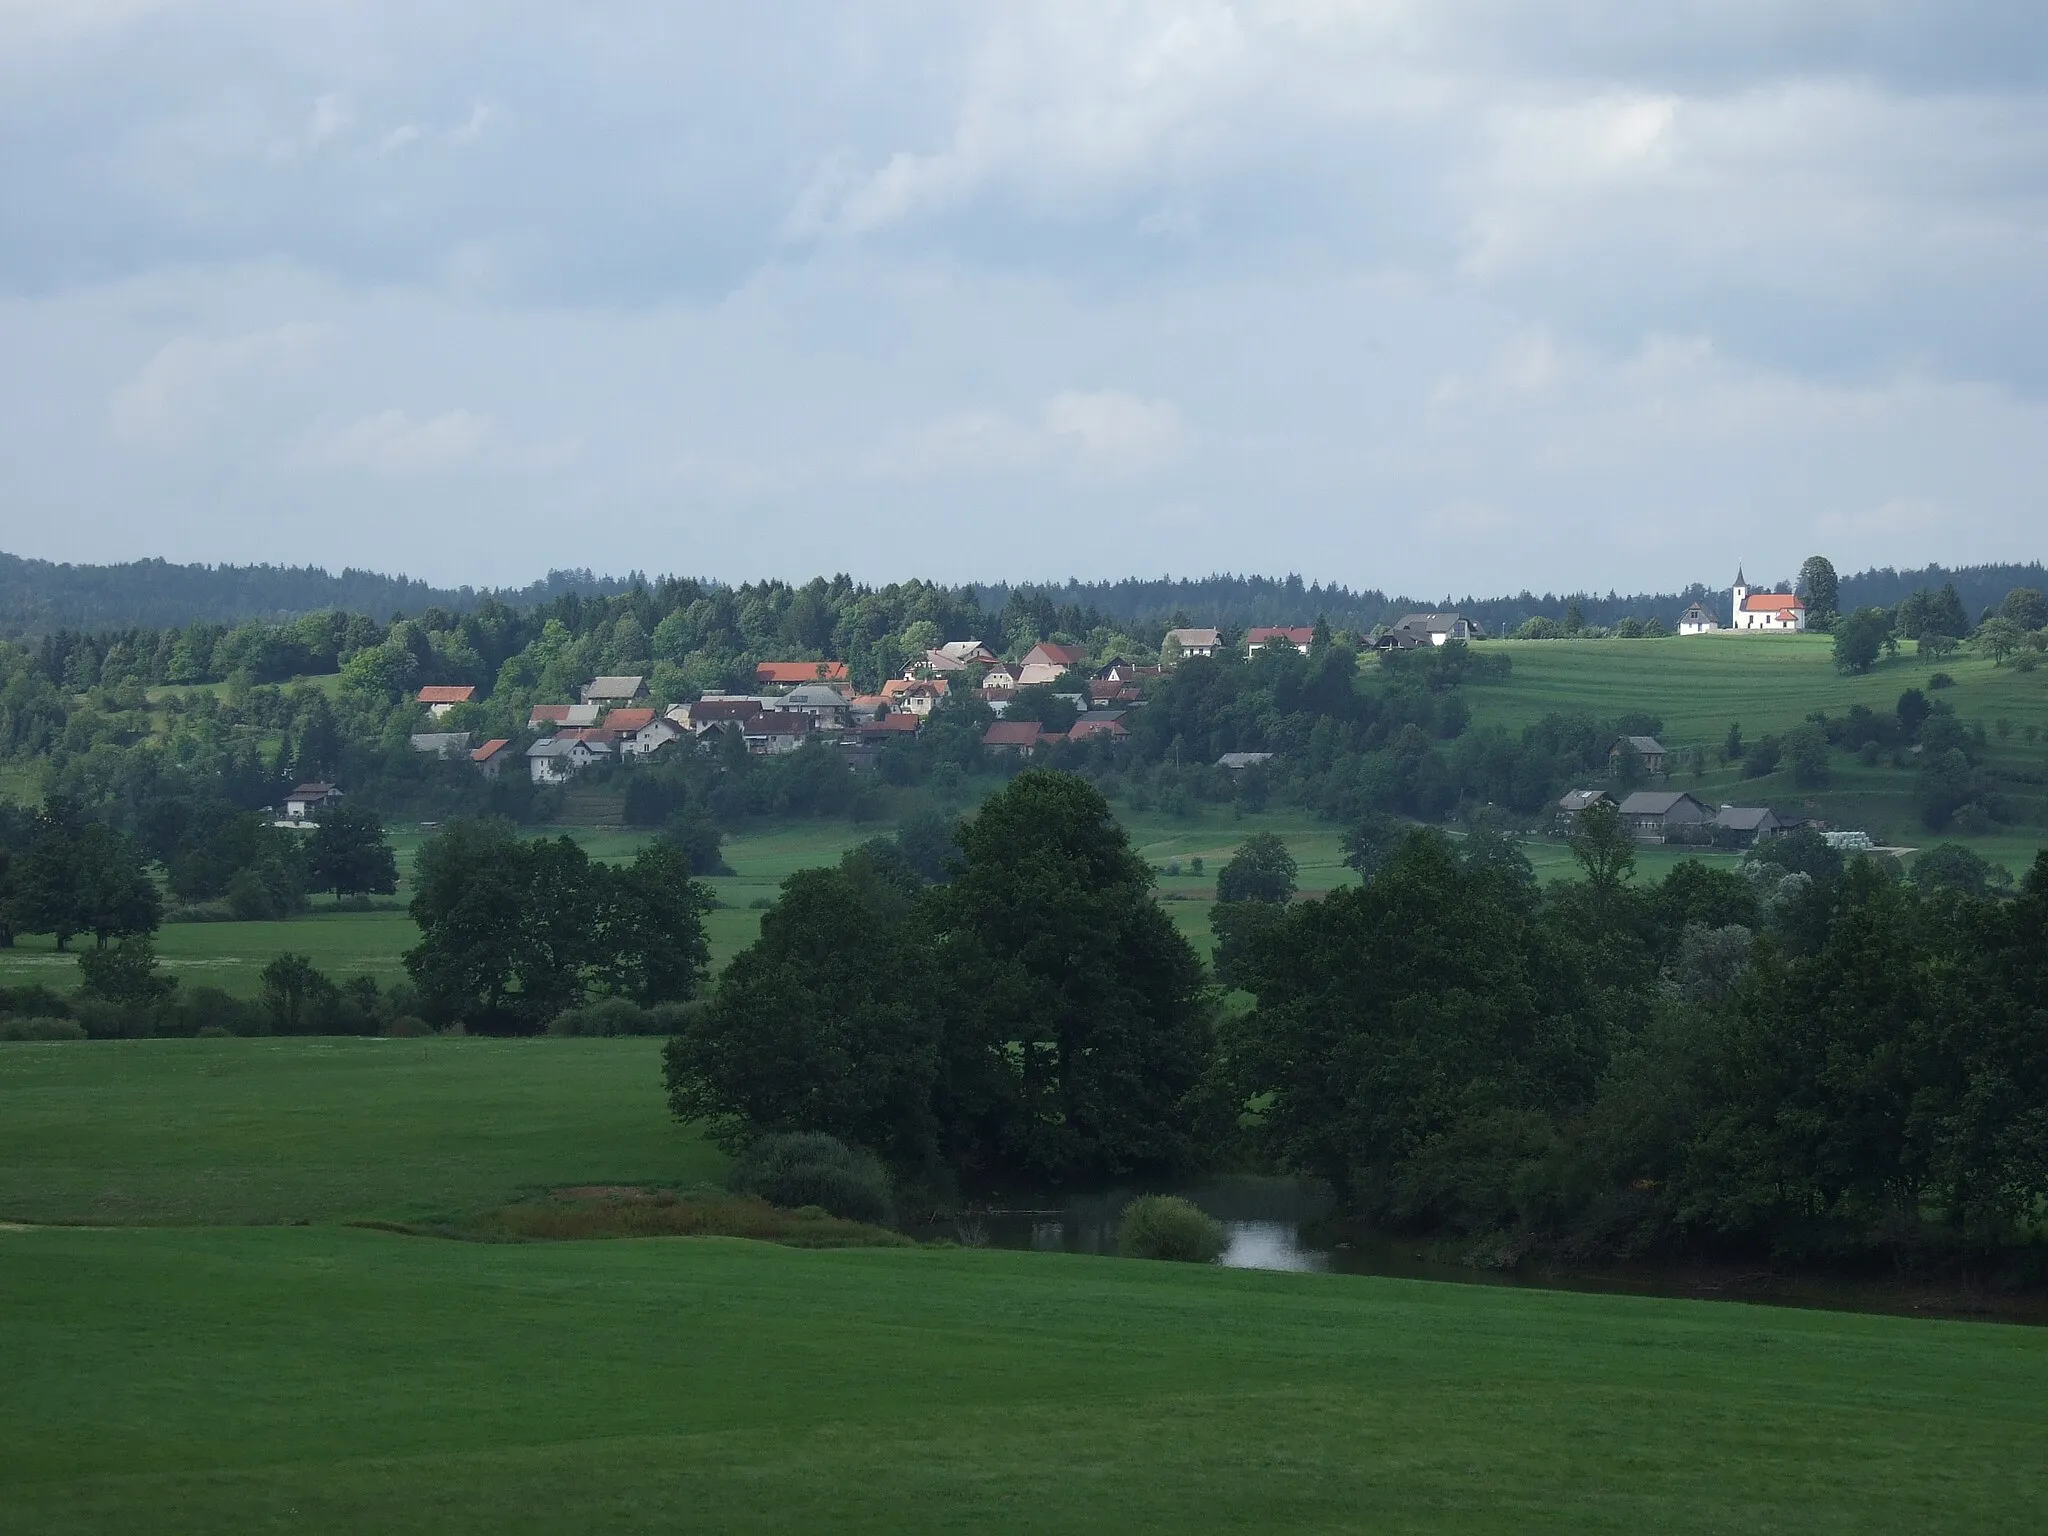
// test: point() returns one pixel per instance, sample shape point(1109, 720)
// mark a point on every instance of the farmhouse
point(1653, 814)
point(1018, 736)
point(1044, 663)
point(1300, 637)
point(918, 696)
point(1193, 642)
point(1697, 621)
point(638, 732)
point(1574, 801)
point(309, 800)
point(558, 759)
point(1105, 724)
point(1647, 748)
point(1418, 629)
point(1777, 612)
point(775, 731)
point(1755, 822)
point(442, 697)
point(827, 707)
point(491, 756)
point(787, 674)
point(613, 690)
point(715, 711)
point(573, 715)
point(1001, 676)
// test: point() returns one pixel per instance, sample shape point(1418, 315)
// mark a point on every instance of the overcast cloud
point(1435, 295)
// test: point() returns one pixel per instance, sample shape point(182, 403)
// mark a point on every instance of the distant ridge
point(38, 597)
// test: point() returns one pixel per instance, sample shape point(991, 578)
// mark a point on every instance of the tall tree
point(652, 948)
point(1261, 870)
point(1821, 592)
point(349, 854)
point(115, 896)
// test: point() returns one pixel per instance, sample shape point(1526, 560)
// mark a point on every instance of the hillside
point(1700, 685)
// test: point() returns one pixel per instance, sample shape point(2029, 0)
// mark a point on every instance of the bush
point(608, 1016)
point(41, 1027)
point(801, 1168)
point(1941, 680)
point(1168, 1227)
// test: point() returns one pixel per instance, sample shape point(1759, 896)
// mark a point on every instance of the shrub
point(1941, 680)
point(41, 1027)
point(796, 1169)
point(1168, 1227)
point(608, 1016)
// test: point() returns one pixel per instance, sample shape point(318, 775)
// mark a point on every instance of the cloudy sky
point(1432, 295)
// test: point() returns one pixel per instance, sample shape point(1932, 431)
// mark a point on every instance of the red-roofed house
point(1779, 612)
point(442, 697)
point(562, 714)
point(1046, 661)
point(1264, 635)
point(1084, 728)
point(787, 674)
point(637, 732)
point(492, 756)
point(1019, 736)
point(915, 696)
point(887, 726)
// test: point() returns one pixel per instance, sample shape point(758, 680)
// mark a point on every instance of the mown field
point(205, 1375)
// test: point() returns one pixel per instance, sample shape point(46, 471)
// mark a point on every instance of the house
point(717, 711)
point(490, 758)
point(1697, 621)
point(1114, 670)
point(613, 690)
point(1648, 748)
point(967, 652)
point(787, 674)
point(1237, 762)
point(1192, 642)
point(1418, 629)
point(544, 716)
point(863, 707)
point(639, 732)
point(559, 758)
point(309, 800)
point(1652, 814)
point(935, 664)
point(827, 707)
point(1017, 736)
point(1087, 727)
point(442, 697)
point(441, 743)
point(775, 731)
point(1775, 612)
point(1101, 694)
point(1573, 801)
point(1001, 676)
point(1044, 663)
point(1258, 639)
point(1755, 822)
point(916, 696)
point(890, 728)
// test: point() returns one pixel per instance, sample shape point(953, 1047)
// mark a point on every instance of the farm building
point(1654, 814)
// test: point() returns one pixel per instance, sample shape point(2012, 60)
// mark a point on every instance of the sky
point(1427, 295)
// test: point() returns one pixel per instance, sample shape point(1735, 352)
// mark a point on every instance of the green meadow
point(188, 1359)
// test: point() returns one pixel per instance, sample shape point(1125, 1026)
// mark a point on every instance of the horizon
point(1493, 296)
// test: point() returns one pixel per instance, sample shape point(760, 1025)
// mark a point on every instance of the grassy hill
point(1701, 684)
point(206, 1375)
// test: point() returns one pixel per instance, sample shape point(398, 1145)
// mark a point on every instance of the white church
point(1774, 612)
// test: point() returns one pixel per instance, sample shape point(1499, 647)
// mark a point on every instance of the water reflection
point(1269, 1245)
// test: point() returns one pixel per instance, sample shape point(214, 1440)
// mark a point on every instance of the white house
point(442, 697)
point(827, 707)
point(1696, 620)
point(1193, 642)
point(309, 800)
point(1777, 612)
point(1044, 663)
point(644, 737)
point(1258, 638)
point(558, 759)
point(775, 731)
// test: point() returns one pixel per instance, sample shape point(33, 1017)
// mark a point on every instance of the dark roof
point(1646, 746)
point(1579, 799)
point(1744, 818)
point(1659, 802)
point(1012, 733)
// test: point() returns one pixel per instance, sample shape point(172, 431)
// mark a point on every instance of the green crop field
point(259, 1131)
point(209, 1374)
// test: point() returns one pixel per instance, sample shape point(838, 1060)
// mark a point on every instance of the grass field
point(257, 1131)
point(319, 1378)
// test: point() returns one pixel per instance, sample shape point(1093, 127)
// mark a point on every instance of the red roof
point(1266, 635)
point(892, 725)
point(490, 749)
point(628, 719)
point(1770, 602)
point(1057, 655)
point(1086, 728)
point(793, 672)
point(446, 693)
point(1011, 733)
point(548, 714)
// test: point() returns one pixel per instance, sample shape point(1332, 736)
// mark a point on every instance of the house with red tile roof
point(1018, 736)
point(1301, 637)
point(787, 674)
point(492, 756)
point(442, 697)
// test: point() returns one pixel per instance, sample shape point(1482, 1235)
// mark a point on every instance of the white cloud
point(1115, 432)
point(1104, 433)
point(392, 443)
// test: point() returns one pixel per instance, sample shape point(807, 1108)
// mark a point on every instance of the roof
point(1771, 602)
point(813, 696)
point(1086, 727)
point(1744, 818)
point(589, 735)
point(786, 673)
point(439, 741)
point(1657, 802)
point(1693, 614)
point(1646, 746)
point(1243, 759)
point(447, 693)
point(1012, 733)
point(315, 791)
point(554, 746)
point(628, 719)
point(897, 687)
point(1192, 639)
point(490, 749)
point(1268, 634)
point(1431, 623)
point(963, 650)
point(548, 714)
point(1057, 655)
point(778, 722)
point(724, 709)
point(613, 687)
point(1579, 799)
point(892, 725)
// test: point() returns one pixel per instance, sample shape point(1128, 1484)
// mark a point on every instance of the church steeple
point(1740, 579)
